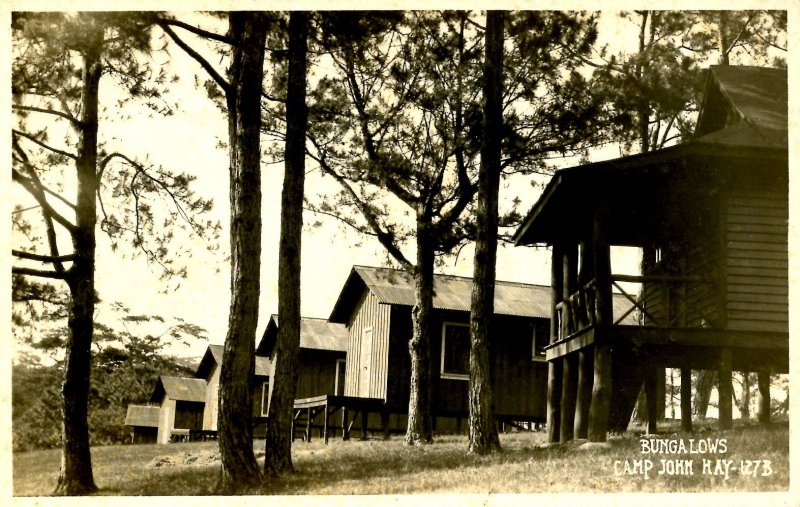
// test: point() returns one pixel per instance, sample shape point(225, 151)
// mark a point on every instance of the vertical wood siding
point(757, 262)
point(520, 383)
point(212, 394)
point(368, 314)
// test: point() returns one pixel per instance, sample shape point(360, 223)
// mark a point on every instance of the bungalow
point(321, 359)
point(181, 402)
point(143, 421)
point(209, 370)
point(375, 305)
point(711, 219)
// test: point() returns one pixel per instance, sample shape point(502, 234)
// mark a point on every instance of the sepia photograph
point(324, 252)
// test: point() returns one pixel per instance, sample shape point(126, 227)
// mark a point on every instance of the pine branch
point(199, 59)
point(206, 34)
point(54, 112)
point(32, 189)
point(42, 258)
point(386, 238)
point(43, 144)
point(59, 275)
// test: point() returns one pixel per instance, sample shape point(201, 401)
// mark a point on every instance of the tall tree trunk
point(239, 470)
point(702, 394)
point(482, 430)
point(419, 429)
point(278, 451)
point(744, 399)
point(76, 477)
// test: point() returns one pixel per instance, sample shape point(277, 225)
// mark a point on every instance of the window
point(455, 351)
point(338, 387)
point(539, 338)
point(265, 397)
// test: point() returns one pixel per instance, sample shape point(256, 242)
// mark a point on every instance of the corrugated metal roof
point(183, 388)
point(142, 415)
point(214, 355)
point(759, 95)
point(315, 333)
point(396, 287)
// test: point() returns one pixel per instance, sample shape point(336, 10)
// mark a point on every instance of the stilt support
point(764, 408)
point(584, 401)
point(725, 390)
point(686, 399)
point(554, 380)
point(569, 393)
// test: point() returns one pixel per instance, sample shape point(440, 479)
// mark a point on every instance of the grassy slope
point(387, 467)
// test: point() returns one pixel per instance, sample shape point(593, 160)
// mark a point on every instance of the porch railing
point(661, 301)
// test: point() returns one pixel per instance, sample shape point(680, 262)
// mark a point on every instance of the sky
point(188, 140)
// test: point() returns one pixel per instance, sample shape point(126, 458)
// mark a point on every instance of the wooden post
point(325, 424)
point(651, 400)
point(345, 428)
point(291, 429)
point(584, 399)
point(308, 425)
point(601, 390)
point(764, 399)
point(569, 395)
point(555, 368)
point(686, 399)
point(725, 390)
point(364, 420)
point(385, 424)
point(554, 379)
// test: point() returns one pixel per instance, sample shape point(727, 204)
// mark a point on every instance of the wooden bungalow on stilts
point(143, 421)
point(711, 219)
point(209, 370)
point(321, 364)
point(375, 304)
point(181, 401)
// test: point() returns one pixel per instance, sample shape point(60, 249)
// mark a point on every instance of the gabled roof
point(316, 334)
point(179, 388)
point(744, 106)
point(213, 356)
point(396, 287)
point(744, 115)
point(142, 415)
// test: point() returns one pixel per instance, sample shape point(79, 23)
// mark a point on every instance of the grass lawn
point(376, 466)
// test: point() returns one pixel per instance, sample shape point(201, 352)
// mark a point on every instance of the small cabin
point(321, 359)
point(209, 370)
point(375, 306)
point(710, 219)
point(143, 421)
point(181, 404)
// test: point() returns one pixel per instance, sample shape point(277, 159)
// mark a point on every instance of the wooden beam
point(556, 289)
point(686, 399)
point(725, 390)
point(385, 424)
point(584, 400)
point(554, 380)
point(651, 399)
point(601, 389)
point(569, 395)
point(325, 425)
point(364, 420)
point(601, 394)
point(764, 399)
point(308, 424)
point(345, 427)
